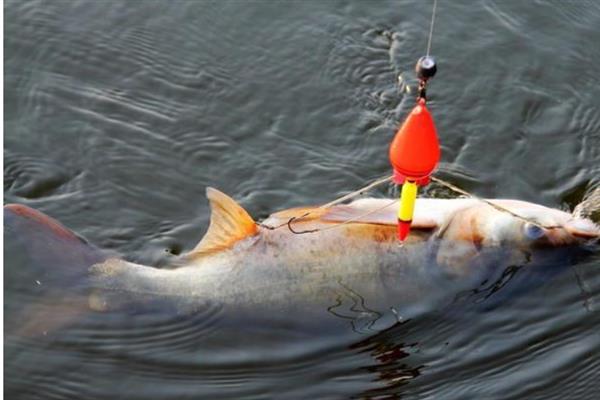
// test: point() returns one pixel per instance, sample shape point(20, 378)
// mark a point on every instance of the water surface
point(119, 114)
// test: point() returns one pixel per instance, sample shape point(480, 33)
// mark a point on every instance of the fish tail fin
point(46, 270)
point(47, 243)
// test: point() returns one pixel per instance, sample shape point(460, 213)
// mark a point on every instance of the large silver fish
point(313, 258)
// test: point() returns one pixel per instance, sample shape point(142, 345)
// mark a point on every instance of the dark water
point(119, 114)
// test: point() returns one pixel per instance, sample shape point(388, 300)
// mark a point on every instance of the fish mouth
point(583, 229)
point(575, 232)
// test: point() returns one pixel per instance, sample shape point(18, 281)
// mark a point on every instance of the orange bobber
point(415, 150)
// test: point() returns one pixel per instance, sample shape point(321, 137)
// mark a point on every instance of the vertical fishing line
point(431, 26)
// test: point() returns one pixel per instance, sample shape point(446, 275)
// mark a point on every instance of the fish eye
point(533, 231)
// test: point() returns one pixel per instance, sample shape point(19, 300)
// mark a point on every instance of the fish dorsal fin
point(229, 223)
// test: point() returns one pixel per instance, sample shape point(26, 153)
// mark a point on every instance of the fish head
point(509, 232)
point(527, 225)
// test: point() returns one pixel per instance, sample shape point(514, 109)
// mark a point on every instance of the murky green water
point(119, 114)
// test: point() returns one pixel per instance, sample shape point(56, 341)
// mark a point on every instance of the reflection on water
point(118, 114)
point(391, 361)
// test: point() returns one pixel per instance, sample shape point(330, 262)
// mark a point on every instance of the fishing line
point(348, 196)
point(431, 26)
point(354, 219)
point(358, 192)
point(585, 292)
point(379, 182)
point(387, 179)
point(490, 203)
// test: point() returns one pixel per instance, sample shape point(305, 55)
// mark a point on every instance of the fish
point(323, 259)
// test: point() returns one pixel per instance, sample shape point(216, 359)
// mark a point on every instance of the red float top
point(415, 150)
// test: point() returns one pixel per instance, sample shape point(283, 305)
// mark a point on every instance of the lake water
point(118, 114)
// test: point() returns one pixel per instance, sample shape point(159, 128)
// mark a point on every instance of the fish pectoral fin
point(229, 223)
point(456, 257)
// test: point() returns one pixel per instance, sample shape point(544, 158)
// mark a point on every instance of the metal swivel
point(426, 68)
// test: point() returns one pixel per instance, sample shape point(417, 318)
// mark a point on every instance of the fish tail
point(48, 246)
point(45, 269)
